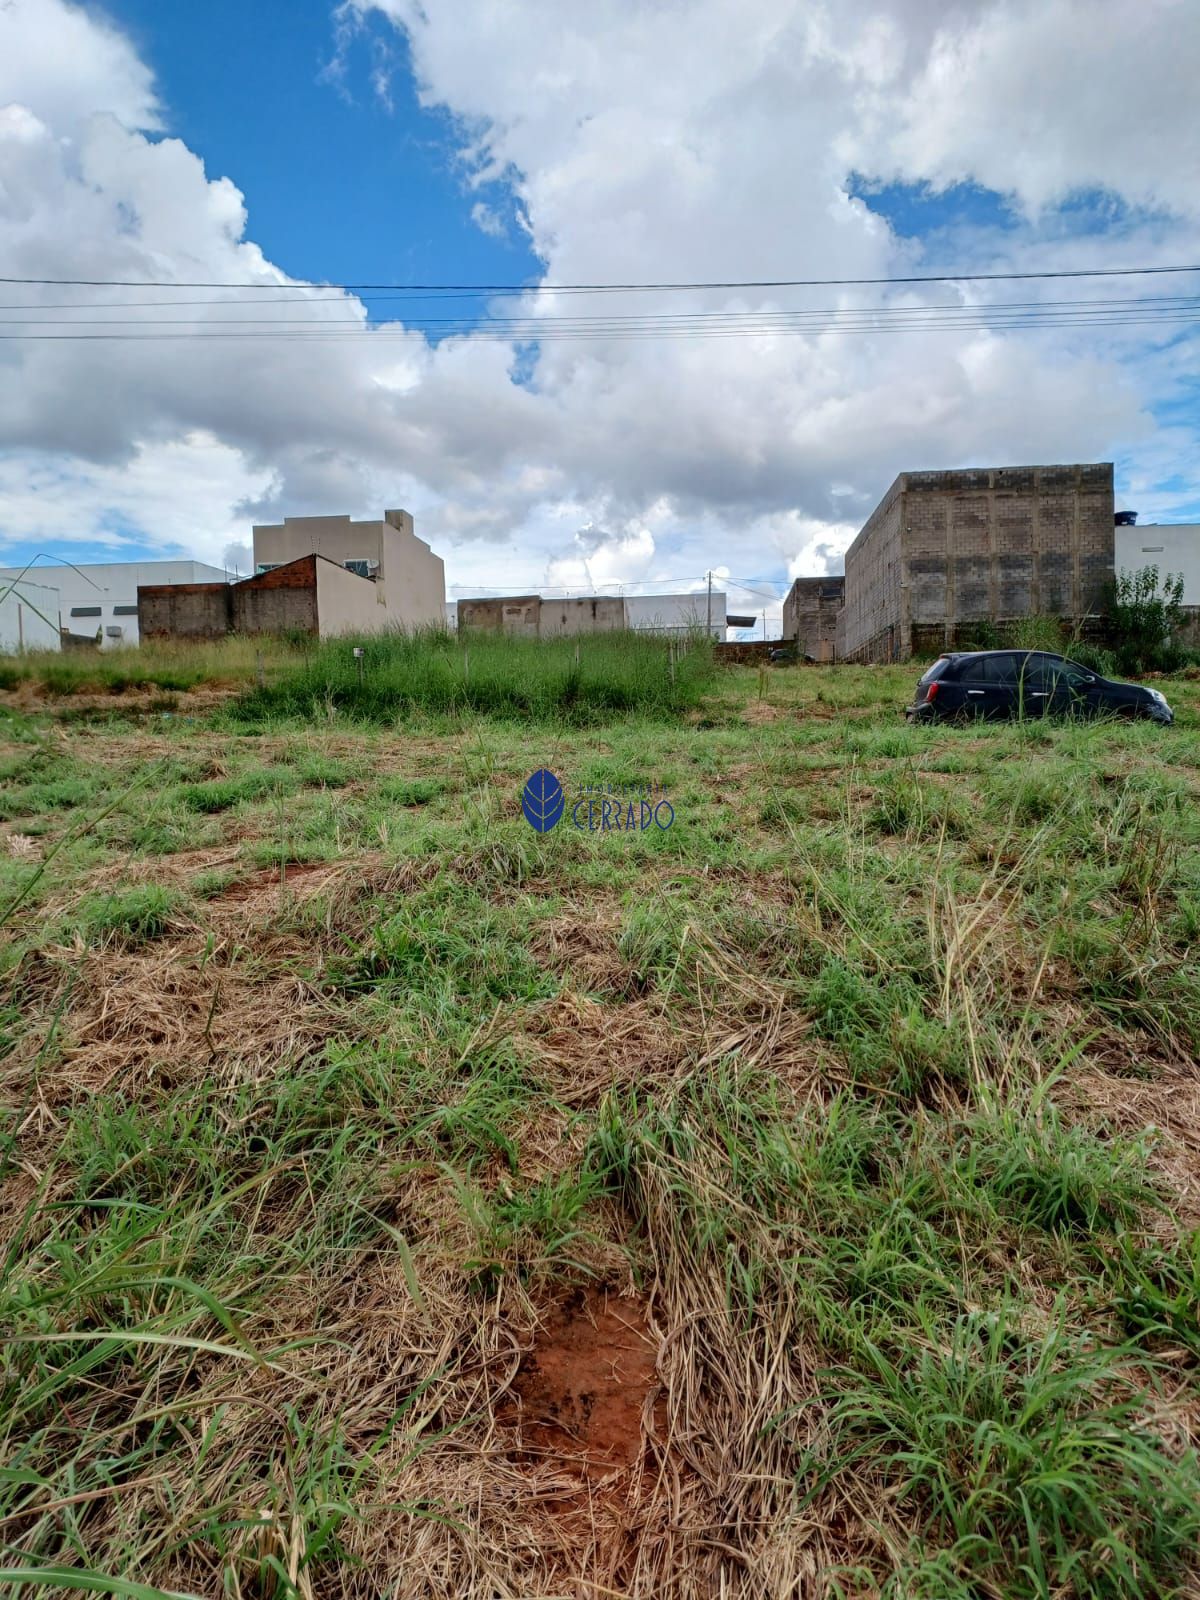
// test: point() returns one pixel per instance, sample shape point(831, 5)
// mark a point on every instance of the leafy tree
point(1143, 618)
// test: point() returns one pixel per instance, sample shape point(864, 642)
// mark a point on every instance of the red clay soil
point(582, 1389)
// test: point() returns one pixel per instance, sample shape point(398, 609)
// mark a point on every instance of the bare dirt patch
point(584, 1394)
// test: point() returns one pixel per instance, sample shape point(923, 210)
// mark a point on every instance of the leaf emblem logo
point(542, 800)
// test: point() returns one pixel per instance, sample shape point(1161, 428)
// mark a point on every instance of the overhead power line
point(614, 288)
point(527, 334)
point(1093, 305)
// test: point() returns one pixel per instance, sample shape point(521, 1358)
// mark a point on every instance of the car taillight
point(931, 690)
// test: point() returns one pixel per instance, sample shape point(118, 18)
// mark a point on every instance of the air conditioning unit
point(114, 632)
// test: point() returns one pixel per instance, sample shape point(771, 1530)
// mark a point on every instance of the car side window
point(1001, 670)
point(1077, 677)
point(973, 671)
point(1040, 673)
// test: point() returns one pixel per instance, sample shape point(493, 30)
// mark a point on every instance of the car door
point(1075, 692)
point(1034, 683)
point(981, 687)
point(1002, 680)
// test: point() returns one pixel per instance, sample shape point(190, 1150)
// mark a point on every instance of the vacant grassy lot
point(800, 1201)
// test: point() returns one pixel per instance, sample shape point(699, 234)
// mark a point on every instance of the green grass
point(575, 681)
point(867, 1078)
point(131, 916)
point(156, 664)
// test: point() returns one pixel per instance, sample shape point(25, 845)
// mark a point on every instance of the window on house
point(124, 611)
point(85, 611)
point(266, 566)
point(363, 568)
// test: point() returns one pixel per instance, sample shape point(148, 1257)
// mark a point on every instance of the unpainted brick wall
point(277, 602)
point(183, 610)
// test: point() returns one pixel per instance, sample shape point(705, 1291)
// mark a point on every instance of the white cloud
point(1042, 98)
point(63, 63)
point(678, 139)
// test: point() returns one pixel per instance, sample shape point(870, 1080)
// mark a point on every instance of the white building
point(409, 580)
point(676, 613)
point(1172, 547)
point(28, 616)
point(100, 597)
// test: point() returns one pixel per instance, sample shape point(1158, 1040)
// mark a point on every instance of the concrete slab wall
point(531, 617)
point(559, 619)
point(516, 614)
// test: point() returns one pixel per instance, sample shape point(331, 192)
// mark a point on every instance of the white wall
point(675, 612)
point(28, 616)
point(103, 594)
point(1170, 546)
point(346, 603)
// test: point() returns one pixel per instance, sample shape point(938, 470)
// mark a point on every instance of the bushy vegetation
point(328, 1088)
point(1144, 616)
point(572, 680)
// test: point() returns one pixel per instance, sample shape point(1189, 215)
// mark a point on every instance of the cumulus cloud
point(679, 140)
point(1043, 98)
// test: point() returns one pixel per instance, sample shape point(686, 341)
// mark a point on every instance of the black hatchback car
point(1030, 683)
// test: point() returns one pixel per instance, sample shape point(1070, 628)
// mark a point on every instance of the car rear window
point(935, 671)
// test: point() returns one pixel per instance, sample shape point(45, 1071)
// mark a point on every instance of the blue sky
point(636, 141)
point(340, 184)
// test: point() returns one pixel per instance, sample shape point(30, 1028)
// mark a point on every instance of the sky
point(530, 145)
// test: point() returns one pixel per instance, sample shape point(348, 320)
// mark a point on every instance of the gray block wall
point(810, 615)
point(945, 550)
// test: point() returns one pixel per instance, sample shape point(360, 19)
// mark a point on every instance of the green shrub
point(1095, 658)
point(1037, 633)
point(1144, 616)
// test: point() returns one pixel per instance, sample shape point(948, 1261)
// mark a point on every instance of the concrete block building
point(810, 615)
point(945, 551)
point(408, 580)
